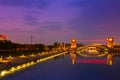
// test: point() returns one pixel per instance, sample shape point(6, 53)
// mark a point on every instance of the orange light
point(73, 40)
point(110, 39)
point(3, 37)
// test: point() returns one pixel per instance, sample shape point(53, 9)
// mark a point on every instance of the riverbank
point(9, 65)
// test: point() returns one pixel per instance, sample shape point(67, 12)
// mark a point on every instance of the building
point(3, 37)
point(110, 42)
point(73, 43)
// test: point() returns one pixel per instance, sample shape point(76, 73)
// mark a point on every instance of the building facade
point(3, 37)
point(110, 42)
point(73, 43)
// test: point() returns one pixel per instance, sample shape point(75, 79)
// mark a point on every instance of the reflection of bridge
point(108, 60)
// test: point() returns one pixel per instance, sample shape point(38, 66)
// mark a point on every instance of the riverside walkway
point(14, 64)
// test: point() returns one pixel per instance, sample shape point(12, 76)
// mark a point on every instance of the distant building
point(73, 43)
point(3, 37)
point(110, 42)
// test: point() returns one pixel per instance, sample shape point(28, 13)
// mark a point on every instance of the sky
point(49, 21)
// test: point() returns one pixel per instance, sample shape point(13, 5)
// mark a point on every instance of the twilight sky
point(59, 20)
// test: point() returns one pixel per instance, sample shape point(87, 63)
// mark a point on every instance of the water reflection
point(110, 59)
point(60, 68)
point(73, 58)
point(107, 59)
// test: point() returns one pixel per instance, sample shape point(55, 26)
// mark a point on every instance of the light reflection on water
point(60, 68)
point(108, 60)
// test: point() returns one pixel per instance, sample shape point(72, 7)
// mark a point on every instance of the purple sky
point(59, 20)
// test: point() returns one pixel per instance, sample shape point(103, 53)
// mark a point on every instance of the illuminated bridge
point(92, 50)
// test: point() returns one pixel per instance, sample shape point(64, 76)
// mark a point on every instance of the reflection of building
point(73, 43)
point(73, 58)
point(110, 42)
point(3, 37)
point(110, 59)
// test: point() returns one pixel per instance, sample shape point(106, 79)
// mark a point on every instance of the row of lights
point(32, 55)
point(14, 69)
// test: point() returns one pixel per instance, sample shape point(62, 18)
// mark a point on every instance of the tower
point(31, 39)
point(73, 43)
point(110, 42)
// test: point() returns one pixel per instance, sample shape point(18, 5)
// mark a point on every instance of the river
point(62, 68)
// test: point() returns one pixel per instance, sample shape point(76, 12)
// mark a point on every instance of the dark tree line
point(15, 49)
point(8, 45)
point(10, 48)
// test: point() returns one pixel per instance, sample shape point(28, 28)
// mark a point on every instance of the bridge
point(109, 48)
point(92, 49)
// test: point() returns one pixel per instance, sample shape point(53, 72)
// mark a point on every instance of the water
point(61, 68)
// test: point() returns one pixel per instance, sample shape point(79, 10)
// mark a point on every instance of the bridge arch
point(103, 50)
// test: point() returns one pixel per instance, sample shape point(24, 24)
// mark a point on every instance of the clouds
point(97, 9)
point(26, 3)
point(52, 25)
point(58, 20)
point(31, 20)
point(98, 19)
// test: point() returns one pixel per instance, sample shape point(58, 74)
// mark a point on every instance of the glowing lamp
point(73, 40)
point(110, 39)
point(3, 73)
